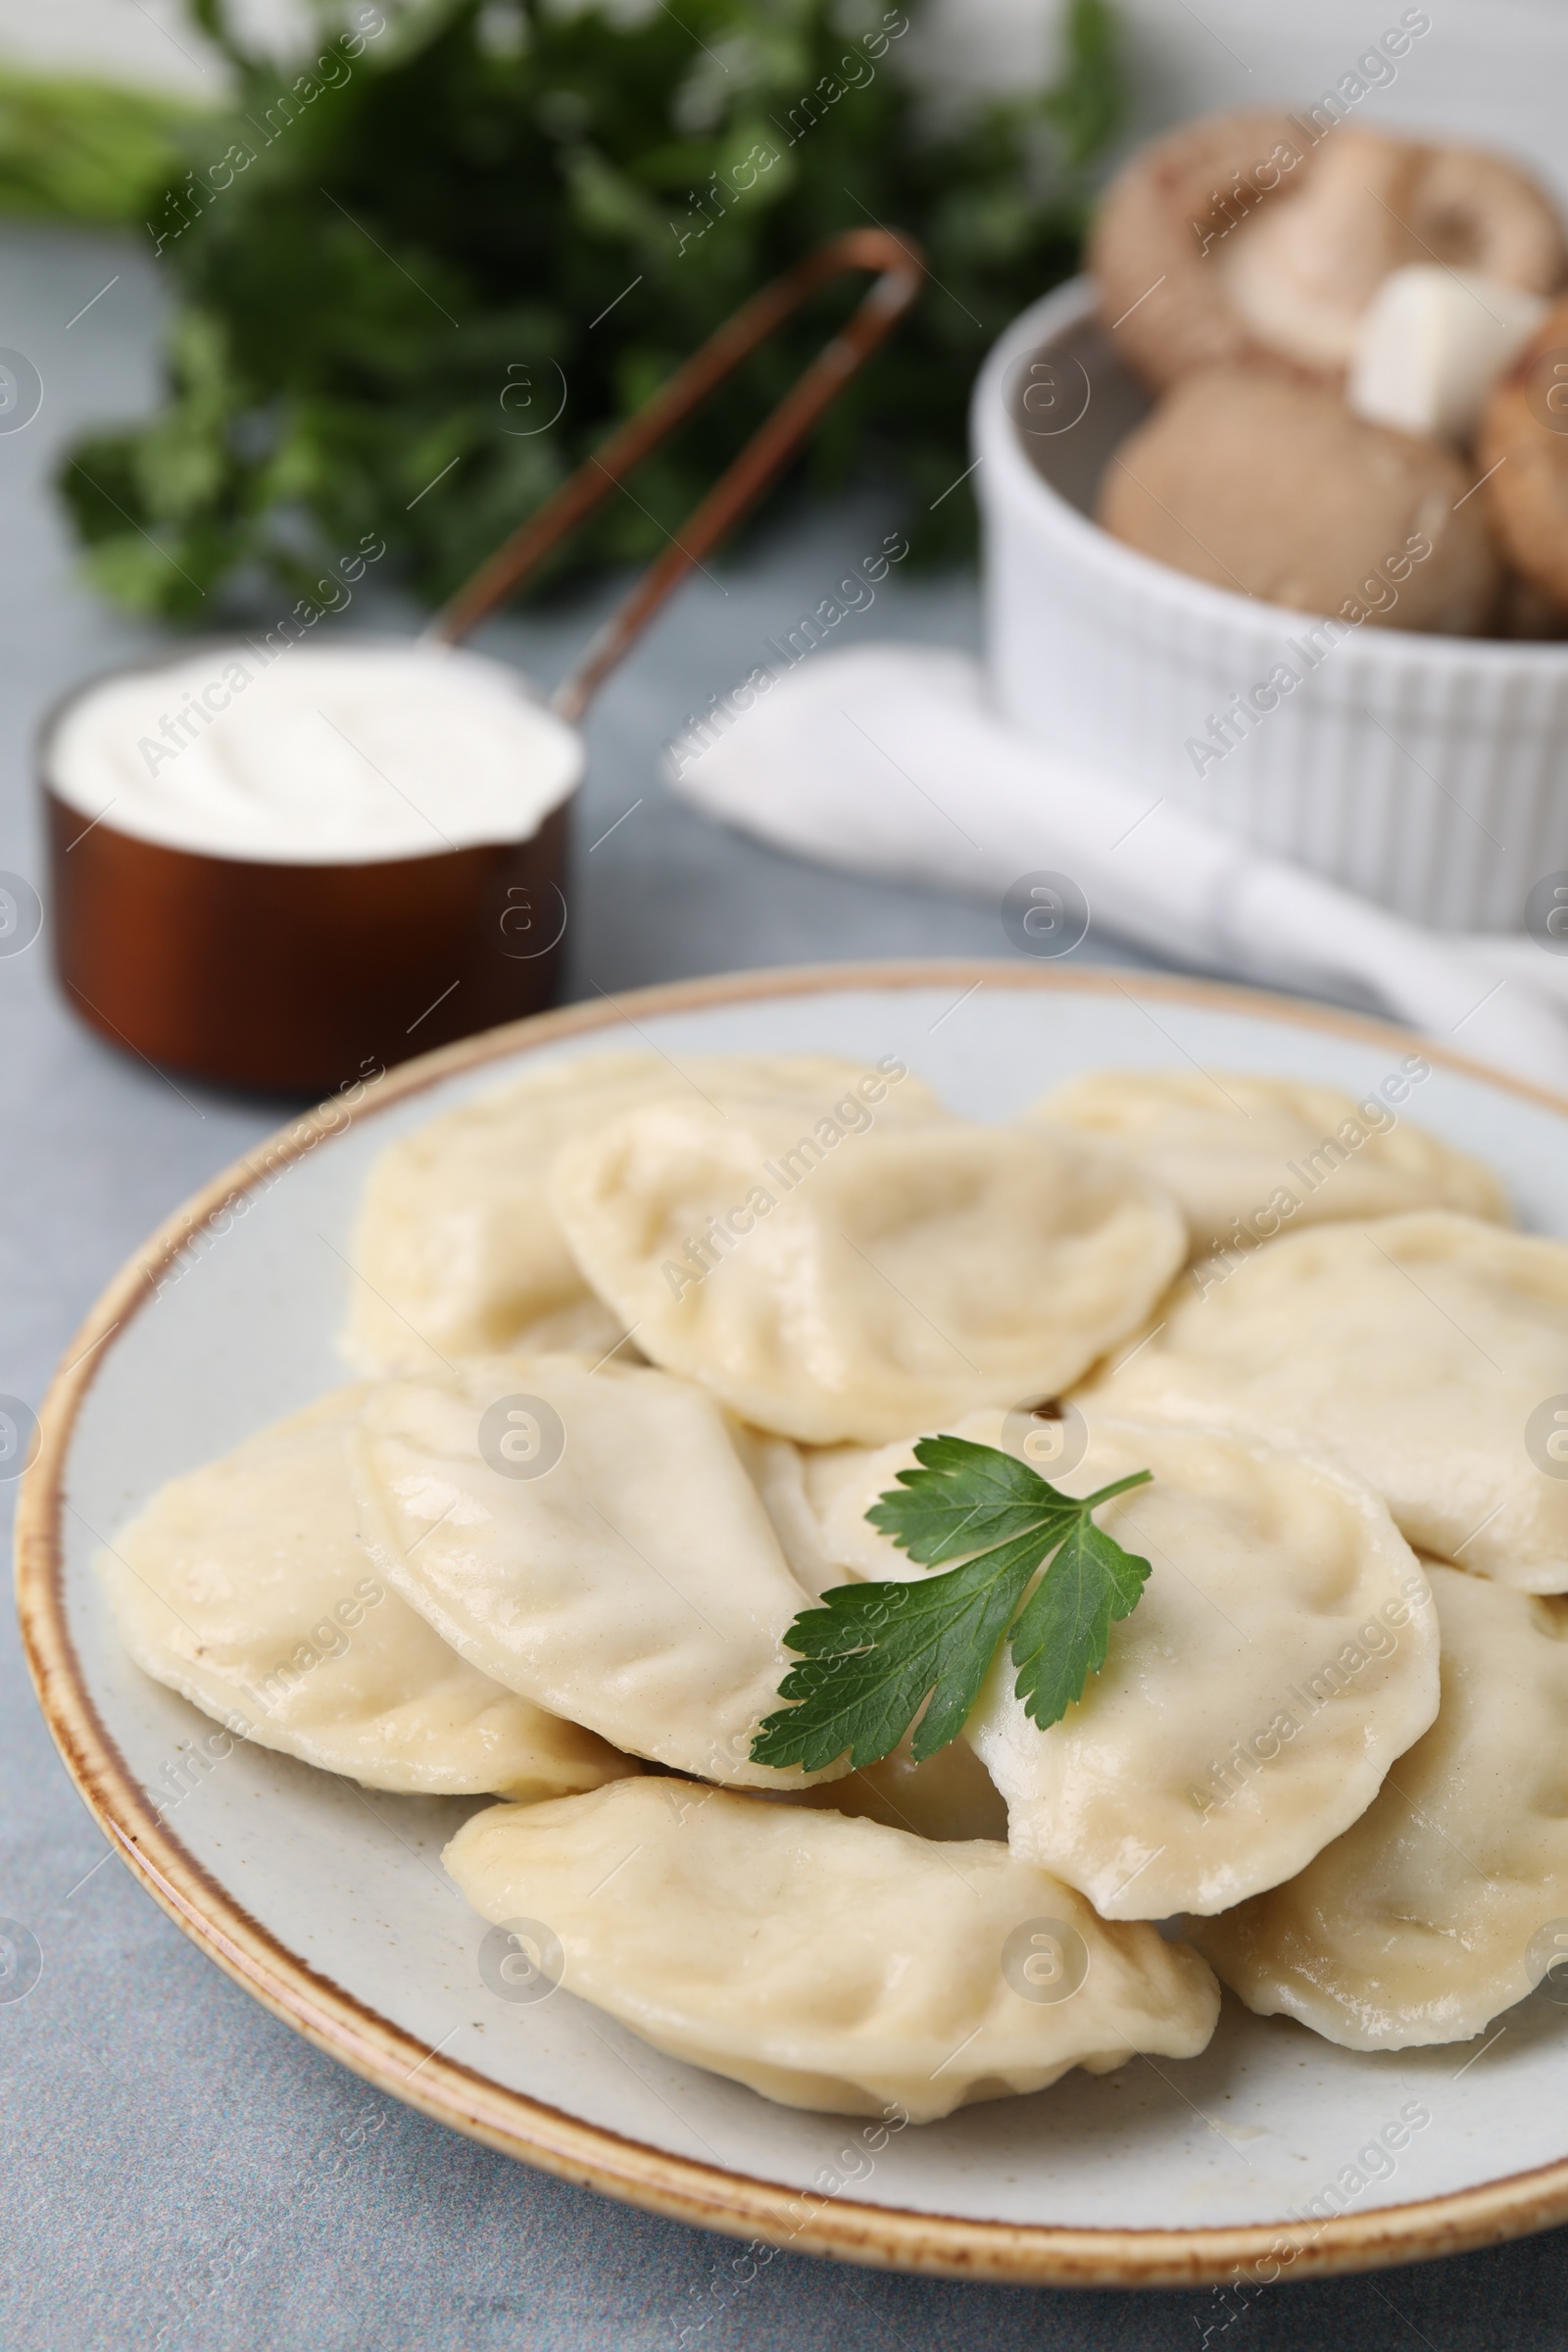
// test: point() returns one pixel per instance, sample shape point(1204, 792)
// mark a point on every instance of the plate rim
point(704, 2195)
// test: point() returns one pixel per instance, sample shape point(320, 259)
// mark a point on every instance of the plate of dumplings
point(916, 1612)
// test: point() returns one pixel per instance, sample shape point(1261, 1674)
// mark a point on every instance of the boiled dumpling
point(242, 1587)
point(1427, 1353)
point(455, 1249)
point(866, 1284)
point(633, 1583)
point(1448, 1901)
point(829, 1963)
point(779, 1470)
point(1283, 1654)
point(1249, 1157)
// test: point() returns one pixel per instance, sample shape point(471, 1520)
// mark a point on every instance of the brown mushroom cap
point(1246, 238)
point(1272, 487)
point(1523, 446)
point(1159, 223)
point(1477, 211)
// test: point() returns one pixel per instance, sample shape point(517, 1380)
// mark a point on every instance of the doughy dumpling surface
point(1415, 1351)
point(1425, 1920)
point(829, 1963)
point(778, 1469)
point(887, 1280)
point(635, 1585)
point(456, 1250)
point(1271, 1153)
point(242, 1585)
point(1283, 1653)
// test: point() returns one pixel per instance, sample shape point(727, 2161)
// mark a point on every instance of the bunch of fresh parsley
point(875, 1654)
point(500, 199)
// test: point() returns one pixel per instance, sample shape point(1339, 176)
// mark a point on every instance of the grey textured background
point(179, 2170)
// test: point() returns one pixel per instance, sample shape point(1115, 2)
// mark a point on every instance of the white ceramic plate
point(329, 1904)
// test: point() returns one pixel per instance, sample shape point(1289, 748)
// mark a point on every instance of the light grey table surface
point(180, 2169)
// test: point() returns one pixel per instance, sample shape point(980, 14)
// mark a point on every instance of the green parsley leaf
point(874, 1654)
point(964, 1497)
point(1061, 1635)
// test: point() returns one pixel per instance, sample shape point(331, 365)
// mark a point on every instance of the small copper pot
point(292, 978)
point(295, 977)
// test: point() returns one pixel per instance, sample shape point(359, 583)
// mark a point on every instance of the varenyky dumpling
point(242, 1587)
point(1249, 1157)
point(634, 1582)
point(1427, 1353)
point(1283, 1654)
point(1447, 1900)
point(829, 1963)
point(778, 1469)
point(455, 1251)
point(893, 1278)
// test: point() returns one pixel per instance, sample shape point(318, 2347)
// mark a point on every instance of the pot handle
point(900, 268)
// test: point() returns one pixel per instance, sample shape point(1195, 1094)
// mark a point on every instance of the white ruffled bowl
point(1430, 774)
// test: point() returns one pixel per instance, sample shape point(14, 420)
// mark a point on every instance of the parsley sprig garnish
point(874, 1653)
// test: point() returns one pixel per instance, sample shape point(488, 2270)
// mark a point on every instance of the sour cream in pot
point(316, 755)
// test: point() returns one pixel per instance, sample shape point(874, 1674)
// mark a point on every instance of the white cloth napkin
point(889, 761)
